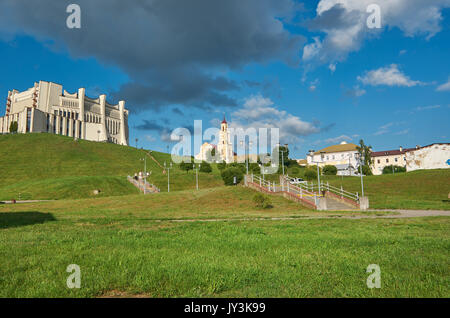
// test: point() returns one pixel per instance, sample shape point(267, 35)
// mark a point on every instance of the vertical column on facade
point(81, 95)
point(70, 123)
point(51, 123)
point(57, 123)
point(103, 135)
point(31, 119)
point(77, 128)
point(64, 126)
point(122, 138)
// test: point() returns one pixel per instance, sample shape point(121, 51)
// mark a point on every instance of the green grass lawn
point(129, 245)
point(426, 189)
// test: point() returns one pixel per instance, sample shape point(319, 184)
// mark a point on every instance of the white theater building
point(47, 108)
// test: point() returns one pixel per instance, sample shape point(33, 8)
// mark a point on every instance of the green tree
point(186, 166)
point(205, 167)
point(283, 154)
point(310, 173)
point(229, 174)
point(221, 165)
point(330, 170)
point(365, 151)
point(254, 168)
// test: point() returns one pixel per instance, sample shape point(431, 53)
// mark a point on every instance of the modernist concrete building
point(47, 108)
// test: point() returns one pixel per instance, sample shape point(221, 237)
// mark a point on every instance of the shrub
point(221, 165)
point(240, 166)
point(330, 170)
point(229, 174)
point(295, 171)
point(205, 167)
point(310, 174)
point(262, 201)
point(393, 169)
point(186, 166)
point(255, 168)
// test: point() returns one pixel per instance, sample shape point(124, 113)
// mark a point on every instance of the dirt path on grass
point(398, 214)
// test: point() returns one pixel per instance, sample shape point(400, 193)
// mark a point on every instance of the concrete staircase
point(328, 198)
point(335, 205)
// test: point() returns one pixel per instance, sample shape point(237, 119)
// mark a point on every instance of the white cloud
point(260, 112)
point(383, 129)
point(313, 85)
point(332, 67)
point(310, 51)
point(337, 140)
point(344, 23)
point(444, 87)
point(356, 91)
point(419, 109)
point(390, 76)
point(403, 132)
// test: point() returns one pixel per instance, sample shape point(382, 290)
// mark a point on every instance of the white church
point(47, 108)
point(224, 148)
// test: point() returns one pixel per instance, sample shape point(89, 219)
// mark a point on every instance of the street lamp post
point(318, 170)
point(196, 173)
point(246, 152)
point(145, 172)
point(282, 156)
point(361, 158)
point(168, 175)
point(136, 142)
point(98, 135)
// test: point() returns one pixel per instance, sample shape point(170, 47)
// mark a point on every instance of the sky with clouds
point(312, 68)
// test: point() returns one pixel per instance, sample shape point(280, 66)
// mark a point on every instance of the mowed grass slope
point(46, 166)
point(131, 245)
point(424, 189)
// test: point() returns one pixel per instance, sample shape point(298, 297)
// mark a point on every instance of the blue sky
point(387, 87)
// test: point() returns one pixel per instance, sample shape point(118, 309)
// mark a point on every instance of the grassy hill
point(422, 189)
point(46, 166)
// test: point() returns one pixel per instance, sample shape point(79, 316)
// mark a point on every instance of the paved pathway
point(402, 214)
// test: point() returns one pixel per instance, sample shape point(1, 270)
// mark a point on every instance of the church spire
point(224, 121)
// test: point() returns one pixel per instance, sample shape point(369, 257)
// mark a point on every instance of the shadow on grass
point(16, 219)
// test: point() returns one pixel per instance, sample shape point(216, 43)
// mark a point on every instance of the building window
point(79, 129)
point(378, 161)
point(387, 160)
point(396, 159)
point(48, 122)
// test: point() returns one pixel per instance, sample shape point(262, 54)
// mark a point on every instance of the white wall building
point(343, 156)
point(47, 108)
point(434, 156)
point(381, 159)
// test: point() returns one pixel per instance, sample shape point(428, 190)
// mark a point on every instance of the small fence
point(305, 197)
point(144, 186)
point(309, 194)
point(325, 189)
